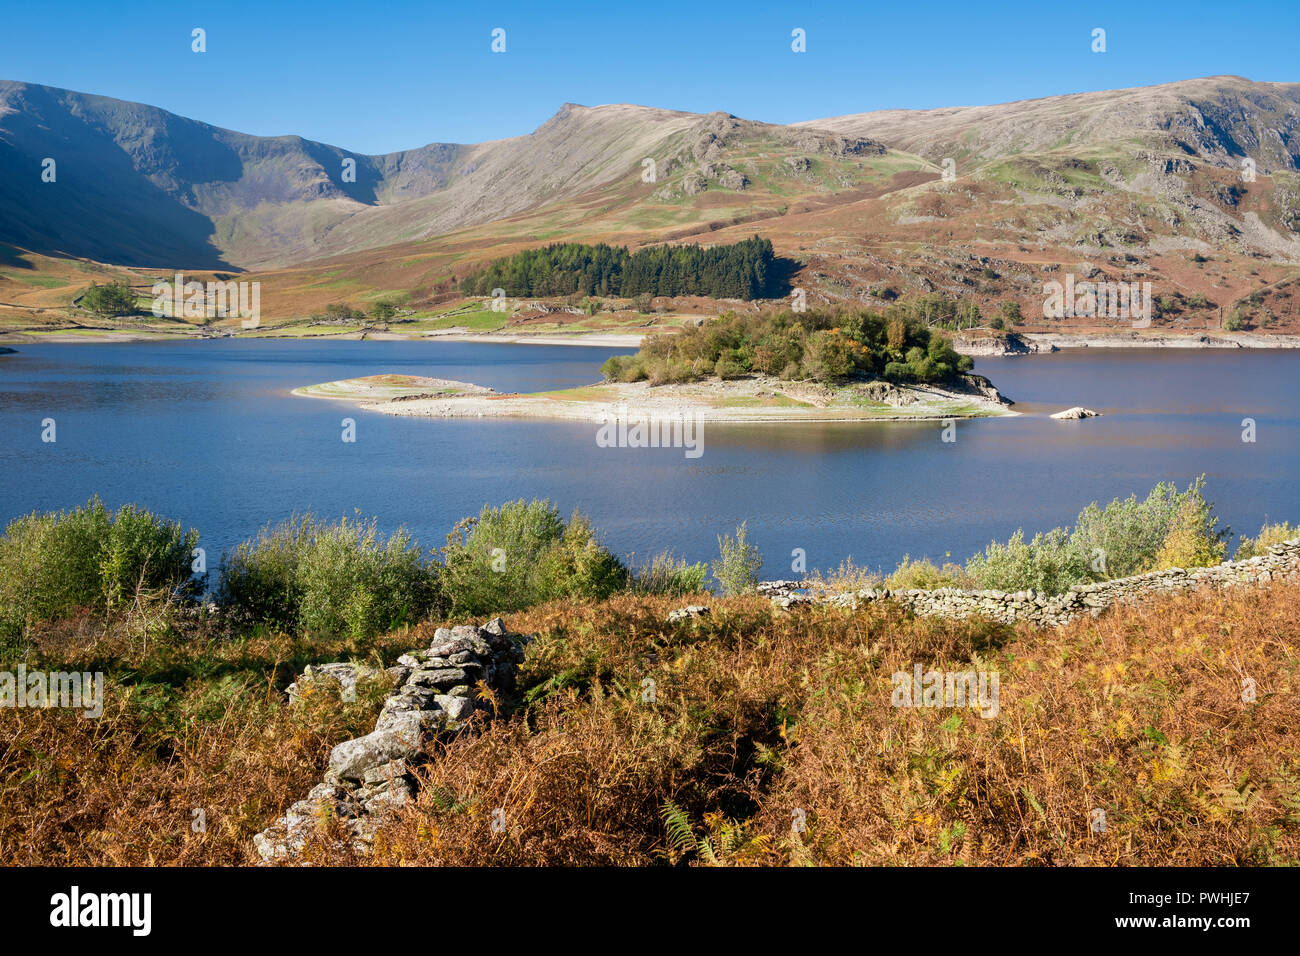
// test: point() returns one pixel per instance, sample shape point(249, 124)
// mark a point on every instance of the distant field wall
point(1282, 562)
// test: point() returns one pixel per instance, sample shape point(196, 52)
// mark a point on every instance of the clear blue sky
point(379, 76)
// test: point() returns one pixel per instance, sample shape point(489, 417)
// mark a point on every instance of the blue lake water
point(207, 432)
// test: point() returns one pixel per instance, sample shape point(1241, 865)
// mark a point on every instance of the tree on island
point(826, 345)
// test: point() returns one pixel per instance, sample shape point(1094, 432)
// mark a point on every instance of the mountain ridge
point(971, 201)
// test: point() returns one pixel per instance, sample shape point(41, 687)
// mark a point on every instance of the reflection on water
point(207, 432)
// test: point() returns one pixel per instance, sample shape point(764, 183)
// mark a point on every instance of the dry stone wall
point(1281, 562)
point(371, 775)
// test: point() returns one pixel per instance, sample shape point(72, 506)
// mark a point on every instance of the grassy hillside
point(1134, 186)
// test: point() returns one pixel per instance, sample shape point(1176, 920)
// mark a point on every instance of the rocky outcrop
point(686, 613)
point(1074, 414)
point(371, 775)
point(733, 179)
point(1281, 562)
point(693, 183)
point(997, 343)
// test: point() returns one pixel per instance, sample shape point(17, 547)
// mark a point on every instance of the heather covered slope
point(756, 712)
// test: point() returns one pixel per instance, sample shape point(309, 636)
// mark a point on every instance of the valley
point(1191, 187)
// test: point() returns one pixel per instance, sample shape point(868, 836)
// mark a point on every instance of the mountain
point(136, 185)
point(1220, 119)
point(1193, 186)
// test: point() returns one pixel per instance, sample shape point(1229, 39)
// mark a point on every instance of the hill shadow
point(11, 258)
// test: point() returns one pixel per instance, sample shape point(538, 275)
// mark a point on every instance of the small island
point(811, 366)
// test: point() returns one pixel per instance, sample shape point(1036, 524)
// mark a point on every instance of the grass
point(585, 393)
point(767, 401)
point(757, 713)
point(40, 281)
point(483, 320)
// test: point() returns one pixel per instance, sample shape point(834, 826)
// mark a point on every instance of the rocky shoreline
point(1035, 343)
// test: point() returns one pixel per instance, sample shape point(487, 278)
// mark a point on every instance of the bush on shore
point(55, 563)
point(1269, 534)
point(318, 577)
point(1168, 528)
point(738, 564)
point(925, 575)
point(522, 553)
point(668, 575)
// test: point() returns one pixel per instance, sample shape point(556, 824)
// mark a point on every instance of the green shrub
point(1049, 563)
point(578, 566)
point(616, 367)
point(925, 575)
point(1269, 534)
point(521, 554)
point(898, 372)
point(52, 564)
point(1191, 541)
point(828, 357)
point(728, 368)
point(670, 576)
point(1130, 533)
point(143, 551)
point(353, 581)
point(1168, 529)
point(324, 578)
point(736, 569)
point(260, 578)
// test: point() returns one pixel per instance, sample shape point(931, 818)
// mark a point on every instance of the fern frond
point(678, 824)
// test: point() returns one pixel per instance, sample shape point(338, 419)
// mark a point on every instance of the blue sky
point(376, 77)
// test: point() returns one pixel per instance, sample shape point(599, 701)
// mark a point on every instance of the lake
point(207, 433)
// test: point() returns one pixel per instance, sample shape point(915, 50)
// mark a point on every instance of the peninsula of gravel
point(753, 398)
